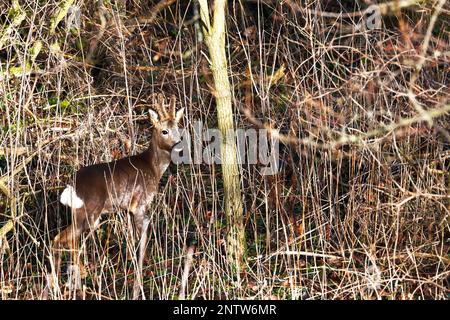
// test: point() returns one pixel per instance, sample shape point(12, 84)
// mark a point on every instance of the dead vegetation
point(359, 209)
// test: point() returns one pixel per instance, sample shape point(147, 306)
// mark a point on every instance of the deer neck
point(158, 159)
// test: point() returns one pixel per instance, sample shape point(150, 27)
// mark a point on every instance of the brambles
point(359, 209)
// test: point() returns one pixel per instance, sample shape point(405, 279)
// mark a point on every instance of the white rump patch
point(69, 198)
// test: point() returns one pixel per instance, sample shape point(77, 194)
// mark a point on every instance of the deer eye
point(165, 132)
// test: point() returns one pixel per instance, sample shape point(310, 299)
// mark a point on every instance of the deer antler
point(172, 106)
point(165, 112)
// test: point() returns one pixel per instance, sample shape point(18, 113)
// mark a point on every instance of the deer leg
point(142, 222)
point(91, 224)
point(69, 237)
point(66, 239)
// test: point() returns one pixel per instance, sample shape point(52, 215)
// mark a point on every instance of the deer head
point(165, 119)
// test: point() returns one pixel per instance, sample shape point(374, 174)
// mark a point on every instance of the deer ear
point(179, 115)
point(154, 117)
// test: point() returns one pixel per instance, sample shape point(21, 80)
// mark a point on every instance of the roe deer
point(129, 183)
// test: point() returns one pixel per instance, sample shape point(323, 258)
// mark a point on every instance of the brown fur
point(129, 184)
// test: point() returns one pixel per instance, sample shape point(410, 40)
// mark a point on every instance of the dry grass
point(361, 220)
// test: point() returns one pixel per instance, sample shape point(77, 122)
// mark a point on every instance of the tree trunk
point(215, 40)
